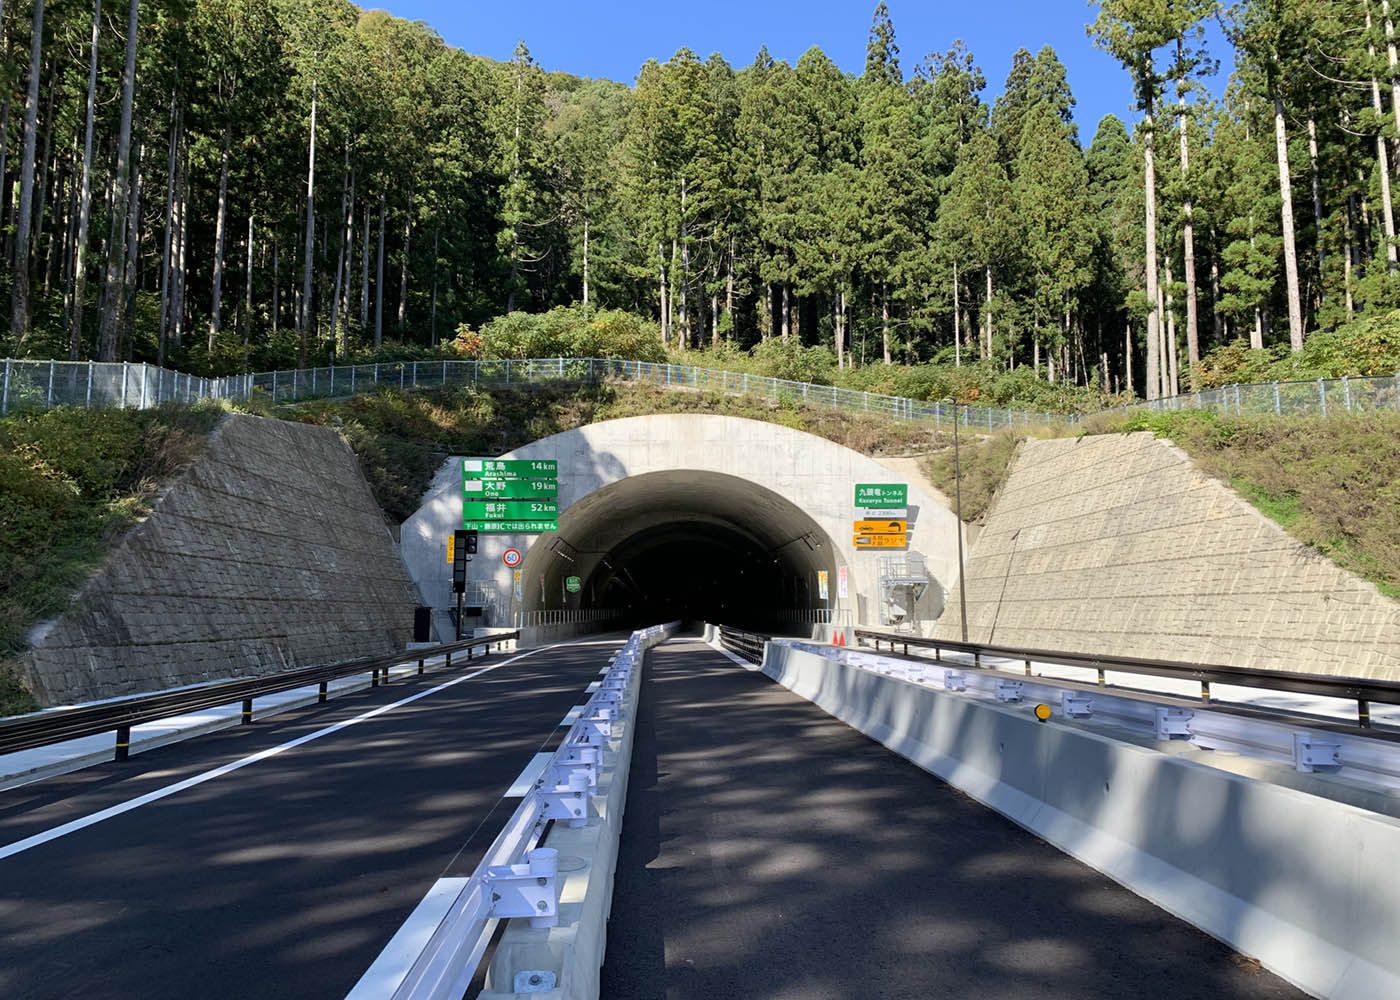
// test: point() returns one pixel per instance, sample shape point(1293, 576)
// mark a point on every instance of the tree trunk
point(220, 224)
point(1216, 316)
point(80, 265)
point(1318, 221)
point(585, 263)
point(403, 270)
point(957, 321)
point(41, 186)
point(1383, 162)
point(1154, 317)
point(787, 315)
point(379, 279)
point(182, 239)
point(1290, 248)
point(1128, 357)
point(1188, 244)
point(1348, 255)
point(276, 283)
point(841, 328)
point(884, 321)
point(432, 312)
point(133, 257)
point(342, 259)
point(112, 315)
point(248, 287)
point(19, 311)
point(168, 233)
point(364, 274)
point(665, 305)
point(987, 311)
point(308, 265)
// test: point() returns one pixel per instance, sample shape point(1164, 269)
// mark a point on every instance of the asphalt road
point(284, 877)
point(770, 851)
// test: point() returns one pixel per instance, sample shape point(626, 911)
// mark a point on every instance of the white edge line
point(83, 822)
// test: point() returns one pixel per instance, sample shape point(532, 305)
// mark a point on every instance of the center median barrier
point(1304, 883)
point(549, 872)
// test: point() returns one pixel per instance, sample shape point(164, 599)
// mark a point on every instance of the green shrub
point(70, 481)
point(1363, 347)
point(565, 331)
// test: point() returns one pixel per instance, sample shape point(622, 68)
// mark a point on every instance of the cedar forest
point(219, 184)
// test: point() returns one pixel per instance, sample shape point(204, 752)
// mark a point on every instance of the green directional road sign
point(877, 496)
point(510, 468)
point(510, 495)
point(506, 489)
point(512, 510)
point(573, 584)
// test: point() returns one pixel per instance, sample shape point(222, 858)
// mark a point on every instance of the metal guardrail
point(436, 952)
point(1363, 691)
point(57, 725)
point(748, 645)
point(566, 616)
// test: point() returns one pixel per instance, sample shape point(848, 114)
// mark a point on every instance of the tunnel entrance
point(688, 545)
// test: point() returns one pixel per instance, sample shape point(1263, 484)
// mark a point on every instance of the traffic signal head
point(471, 543)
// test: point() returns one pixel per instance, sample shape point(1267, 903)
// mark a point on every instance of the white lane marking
point(82, 823)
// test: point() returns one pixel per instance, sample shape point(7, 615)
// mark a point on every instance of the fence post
point(5, 394)
point(1278, 404)
point(274, 385)
point(145, 377)
point(1346, 394)
point(91, 372)
point(49, 403)
point(123, 406)
point(401, 377)
point(1322, 396)
point(352, 379)
point(415, 374)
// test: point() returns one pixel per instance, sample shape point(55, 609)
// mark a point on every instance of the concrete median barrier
point(1303, 883)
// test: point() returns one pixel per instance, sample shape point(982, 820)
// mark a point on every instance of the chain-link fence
point(44, 384)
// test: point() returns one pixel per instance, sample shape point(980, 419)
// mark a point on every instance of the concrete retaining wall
point(268, 553)
point(1118, 544)
point(1303, 883)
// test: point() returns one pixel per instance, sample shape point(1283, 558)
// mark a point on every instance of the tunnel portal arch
point(675, 494)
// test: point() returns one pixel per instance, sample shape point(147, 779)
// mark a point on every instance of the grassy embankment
point(1333, 483)
point(71, 481)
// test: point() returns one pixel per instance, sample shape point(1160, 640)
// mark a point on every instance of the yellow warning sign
point(881, 541)
point(891, 527)
point(451, 544)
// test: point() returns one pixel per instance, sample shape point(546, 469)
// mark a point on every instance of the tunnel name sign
point(882, 516)
point(505, 495)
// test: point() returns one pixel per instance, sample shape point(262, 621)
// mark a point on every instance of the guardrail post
point(247, 717)
point(449, 658)
point(1205, 690)
point(321, 691)
point(374, 678)
point(469, 654)
point(420, 665)
point(1363, 713)
point(123, 743)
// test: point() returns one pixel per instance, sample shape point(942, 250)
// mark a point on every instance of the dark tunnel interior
point(688, 546)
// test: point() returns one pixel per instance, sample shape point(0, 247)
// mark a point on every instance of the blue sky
point(612, 38)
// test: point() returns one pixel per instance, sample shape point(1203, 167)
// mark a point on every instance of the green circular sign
point(573, 584)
